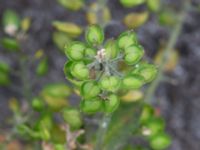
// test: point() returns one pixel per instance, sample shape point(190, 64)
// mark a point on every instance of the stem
point(171, 44)
point(103, 126)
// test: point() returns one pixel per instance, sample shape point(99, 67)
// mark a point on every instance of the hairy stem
point(103, 126)
point(171, 44)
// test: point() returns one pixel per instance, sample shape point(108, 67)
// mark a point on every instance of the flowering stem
point(172, 41)
point(103, 126)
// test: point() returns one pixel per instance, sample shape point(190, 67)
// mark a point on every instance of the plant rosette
point(94, 67)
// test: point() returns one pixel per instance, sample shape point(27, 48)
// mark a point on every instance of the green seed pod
point(80, 71)
point(42, 67)
point(133, 54)
point(89, 53)
point(148, 71)
point(72, 117)
point(37, 104)
point(4, 79)
point(131, 3)
point(110, 83)
point(45, 134)
point(10, 44)
point(11, 22)
point(94, 35)
point(72, 4)
point(75, 51)
point(111, 103)
point(126, 39)
point(59, 147)
point(4, 67)
point(111, 49)
point(155, 125)
point(91, 106)
point(132, 82)
point(147, 113)
point(153, 5)
point(90, 89)
point(160, 141)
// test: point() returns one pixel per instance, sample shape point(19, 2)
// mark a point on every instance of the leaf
point(71, 29)
point(135, 20)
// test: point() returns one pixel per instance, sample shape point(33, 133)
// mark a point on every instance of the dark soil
point(179, 101)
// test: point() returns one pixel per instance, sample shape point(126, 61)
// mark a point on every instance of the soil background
point(179, 101)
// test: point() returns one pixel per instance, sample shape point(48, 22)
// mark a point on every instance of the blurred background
point(34, 57)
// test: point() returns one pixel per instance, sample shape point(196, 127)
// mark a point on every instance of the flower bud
point(132, 82)
point(75, 51)
point(72, 117)
point(111, 103)
point(126, 39)
point(110, 83)
point(94, 35)
point(111, 49)
point(160, 141)
point(91, 106)
point(90, 89)
point(133, 54)
point(80, 71)
point(148, 71)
